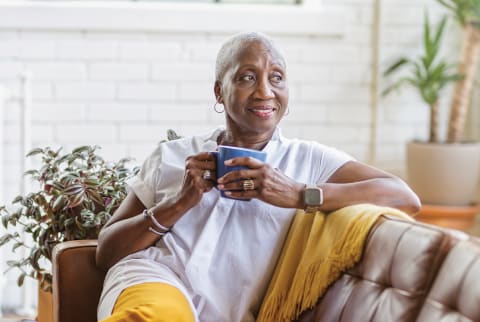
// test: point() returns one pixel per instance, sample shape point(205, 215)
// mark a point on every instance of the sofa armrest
point(77, 282)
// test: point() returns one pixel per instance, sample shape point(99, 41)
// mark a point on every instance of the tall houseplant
point(467, 14)
point(440, 173)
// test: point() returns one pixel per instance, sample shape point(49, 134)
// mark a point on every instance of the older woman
point(176, 250)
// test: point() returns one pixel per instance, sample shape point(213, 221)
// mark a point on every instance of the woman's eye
point(248, 78)
point(277, 78)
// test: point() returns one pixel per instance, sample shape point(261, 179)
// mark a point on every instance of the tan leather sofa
point(409, 272)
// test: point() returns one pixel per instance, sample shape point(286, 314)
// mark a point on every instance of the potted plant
point(77, 193)
point(441, 173)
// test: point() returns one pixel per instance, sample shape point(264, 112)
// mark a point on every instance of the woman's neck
point(255, 142)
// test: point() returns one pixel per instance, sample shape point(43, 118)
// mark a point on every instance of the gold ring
point(207, 174)
point(248, 184)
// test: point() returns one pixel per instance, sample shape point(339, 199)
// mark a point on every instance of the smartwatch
point(312, 198)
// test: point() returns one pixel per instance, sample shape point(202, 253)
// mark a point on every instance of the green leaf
point(5, 239)
point(92, 182)
point(426, 36)
point(68, 222)
point(81, 149)
point(17, 245)
point(17, 199)
point(73, 189)
point(76, 200)
point(13, 263)
point(439, 32)
point(395, 66)
point(31, 173)
point(34, 258)
point(21, 279)
point(35, 152)
point(5, 219)
point(56, 185)
point(59, 203)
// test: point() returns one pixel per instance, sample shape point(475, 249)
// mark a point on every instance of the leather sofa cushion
point(392, 281)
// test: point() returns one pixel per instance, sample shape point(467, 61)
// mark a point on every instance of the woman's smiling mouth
point(263, 111)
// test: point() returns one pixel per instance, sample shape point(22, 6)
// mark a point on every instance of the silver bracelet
point(148, 213)
point(155, 231)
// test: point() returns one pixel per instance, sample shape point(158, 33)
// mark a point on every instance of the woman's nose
point(264, 90)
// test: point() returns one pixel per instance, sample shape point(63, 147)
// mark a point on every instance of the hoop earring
point(216, 109)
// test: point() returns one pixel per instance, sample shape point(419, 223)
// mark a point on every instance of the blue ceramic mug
point(225, 153)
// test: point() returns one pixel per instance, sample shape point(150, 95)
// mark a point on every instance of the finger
point(204, 156)
point(237, 175)
point(194, 177)
point(240, 185)
point(198, 162)
point(245, 161)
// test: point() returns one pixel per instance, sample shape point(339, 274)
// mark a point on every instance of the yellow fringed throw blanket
point(318, 248)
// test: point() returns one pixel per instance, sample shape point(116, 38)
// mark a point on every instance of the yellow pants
point(151, 302)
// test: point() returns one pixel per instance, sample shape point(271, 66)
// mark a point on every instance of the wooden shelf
point(457, 217)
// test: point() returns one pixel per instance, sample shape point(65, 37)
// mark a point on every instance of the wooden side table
point(457, 217)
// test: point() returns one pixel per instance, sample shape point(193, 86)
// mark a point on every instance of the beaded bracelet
point(148, 213)
point(155, 231)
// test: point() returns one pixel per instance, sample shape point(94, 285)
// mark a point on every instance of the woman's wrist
point(168, 211)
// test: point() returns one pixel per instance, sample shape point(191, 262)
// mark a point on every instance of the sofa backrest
point(409, 272)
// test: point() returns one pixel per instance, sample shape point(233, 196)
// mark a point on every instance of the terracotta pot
point(444, 174)
point(45, 306)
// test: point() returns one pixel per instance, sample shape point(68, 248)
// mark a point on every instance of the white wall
point(120, 77)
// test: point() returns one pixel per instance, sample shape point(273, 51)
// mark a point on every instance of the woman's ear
point(217, 89)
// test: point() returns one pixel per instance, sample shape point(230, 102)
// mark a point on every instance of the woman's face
point(254, 90)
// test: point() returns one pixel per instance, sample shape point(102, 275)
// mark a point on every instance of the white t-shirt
point(222, 252)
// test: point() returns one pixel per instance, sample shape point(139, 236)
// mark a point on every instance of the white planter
point(444, 174)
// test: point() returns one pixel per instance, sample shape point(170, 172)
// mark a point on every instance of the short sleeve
point(331, 160)
point(144, 183)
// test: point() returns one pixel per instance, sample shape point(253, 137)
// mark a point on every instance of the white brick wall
point(122, 89)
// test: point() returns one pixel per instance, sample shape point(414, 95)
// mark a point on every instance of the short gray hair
point(237, 42)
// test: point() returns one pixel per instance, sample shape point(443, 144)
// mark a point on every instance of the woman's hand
point(269, 184)
point(200, 174)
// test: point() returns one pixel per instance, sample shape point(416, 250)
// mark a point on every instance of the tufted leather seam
point(347, 298)
point(448, 242)
point(461, 286)
point(445, 308)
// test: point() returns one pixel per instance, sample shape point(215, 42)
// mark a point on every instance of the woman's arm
point(355, 183)
point(127, 231)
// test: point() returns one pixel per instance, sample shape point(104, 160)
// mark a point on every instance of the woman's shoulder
point(305, 144)
point(187, 145)
point(314, 149)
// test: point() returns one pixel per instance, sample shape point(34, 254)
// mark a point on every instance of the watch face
point(313, 197)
